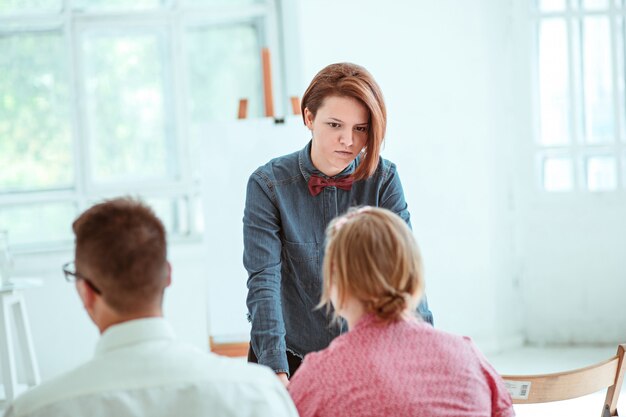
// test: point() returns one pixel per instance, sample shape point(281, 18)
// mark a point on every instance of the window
point(580, 139)
point(100, 98)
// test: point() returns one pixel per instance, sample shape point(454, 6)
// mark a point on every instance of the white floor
point(529, 360)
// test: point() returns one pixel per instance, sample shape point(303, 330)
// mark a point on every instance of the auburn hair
point(122, 243)
point(371, 255)
point(350, 80)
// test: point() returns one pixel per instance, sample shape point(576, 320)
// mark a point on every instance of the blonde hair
point(351, 80)
point(372, 255)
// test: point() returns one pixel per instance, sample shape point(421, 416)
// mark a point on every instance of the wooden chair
point(609, 374)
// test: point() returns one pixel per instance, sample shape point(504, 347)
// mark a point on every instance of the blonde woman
point(390, 363)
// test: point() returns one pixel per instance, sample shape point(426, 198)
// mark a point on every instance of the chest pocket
point(301, 264)
point(301, 252)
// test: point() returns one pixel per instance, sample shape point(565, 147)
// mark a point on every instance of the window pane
point(91, 5)
point(597, 78)
point(224, 65)
point(197, 212)
point(29, 6)
point(551, 5)
point(173, 213)
point(595, 4)
point(130, 130)
point(558, 174)
point(38, 223)
point(553, 82)
point(35, 135)
point(601, 173)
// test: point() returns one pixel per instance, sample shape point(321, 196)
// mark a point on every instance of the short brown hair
point(372, 255)
point(351, 80)
point(122, 243)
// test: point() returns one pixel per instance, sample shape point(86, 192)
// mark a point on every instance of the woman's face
point(339, 130)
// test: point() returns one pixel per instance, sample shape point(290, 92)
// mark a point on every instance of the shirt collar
point(370, 319)
point(307, 168)
point(134, 332)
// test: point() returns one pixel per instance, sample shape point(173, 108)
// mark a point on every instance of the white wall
point(504, 261)
point(568, 247)
point(443, 69)
point(575, 275)
point(240, 149)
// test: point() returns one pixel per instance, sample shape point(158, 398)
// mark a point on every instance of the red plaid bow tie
point(317, 183)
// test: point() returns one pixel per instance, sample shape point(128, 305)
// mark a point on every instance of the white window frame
point(272, 19)
point(577, 150)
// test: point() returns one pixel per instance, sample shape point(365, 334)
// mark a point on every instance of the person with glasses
point(139, 368)
point(69, 270)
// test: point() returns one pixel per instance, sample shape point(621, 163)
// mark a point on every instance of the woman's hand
point(283, 378)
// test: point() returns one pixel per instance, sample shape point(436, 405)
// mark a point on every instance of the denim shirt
point(284, 231)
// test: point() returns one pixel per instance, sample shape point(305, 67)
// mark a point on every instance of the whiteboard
point(230, 153)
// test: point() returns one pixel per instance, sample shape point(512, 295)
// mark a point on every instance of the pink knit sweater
point(403, 369)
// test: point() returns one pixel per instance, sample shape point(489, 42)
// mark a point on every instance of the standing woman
point(291, 200)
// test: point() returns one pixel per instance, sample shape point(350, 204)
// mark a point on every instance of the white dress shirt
point(140, 369)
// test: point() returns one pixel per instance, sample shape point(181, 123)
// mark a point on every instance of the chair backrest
point(609, 374)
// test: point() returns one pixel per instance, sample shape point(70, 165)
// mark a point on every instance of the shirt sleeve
point(392, 198)
point(392, 193)
point(501, 403)
point(262, 260)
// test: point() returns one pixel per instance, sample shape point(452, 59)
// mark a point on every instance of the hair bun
point(391, 306)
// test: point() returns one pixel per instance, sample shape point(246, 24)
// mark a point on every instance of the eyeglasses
point(71, 275)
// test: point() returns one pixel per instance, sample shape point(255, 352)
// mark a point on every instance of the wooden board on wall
point(230, 153)
point(232, 349)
